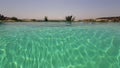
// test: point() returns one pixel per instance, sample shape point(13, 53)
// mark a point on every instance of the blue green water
point(57, 45)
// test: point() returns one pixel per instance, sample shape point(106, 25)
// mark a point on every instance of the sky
point(58, 9)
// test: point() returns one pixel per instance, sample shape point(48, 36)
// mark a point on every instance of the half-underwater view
point(59, 34)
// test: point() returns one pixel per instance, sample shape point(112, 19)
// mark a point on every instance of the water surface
point(58, 45)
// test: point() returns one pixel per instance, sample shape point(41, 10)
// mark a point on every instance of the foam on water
point(55, 45)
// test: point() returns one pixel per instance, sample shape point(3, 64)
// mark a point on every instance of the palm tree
point(46, 18)
point(69, 19)
point(2, 17)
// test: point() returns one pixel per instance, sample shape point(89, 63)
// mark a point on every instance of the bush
point(14, 18)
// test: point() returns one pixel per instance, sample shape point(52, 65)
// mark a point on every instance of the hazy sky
point(58, 9)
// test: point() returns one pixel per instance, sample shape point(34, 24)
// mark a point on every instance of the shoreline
point(56, 22)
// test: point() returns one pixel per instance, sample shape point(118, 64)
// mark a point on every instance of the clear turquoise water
point(55, 45)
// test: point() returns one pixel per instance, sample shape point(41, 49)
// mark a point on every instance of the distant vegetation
point(14, 18)
point(68, 19)
point(103, 19)
point(11, 19)
point(109, 19)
